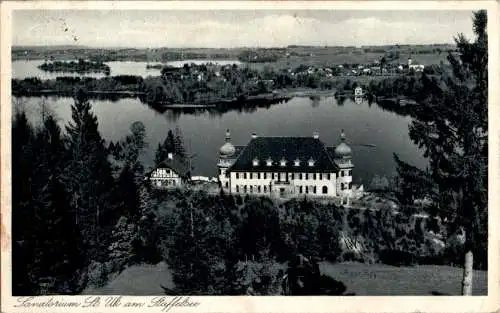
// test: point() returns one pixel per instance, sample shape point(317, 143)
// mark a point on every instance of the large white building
point(286, 167)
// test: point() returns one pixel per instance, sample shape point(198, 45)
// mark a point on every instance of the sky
point(237, 28)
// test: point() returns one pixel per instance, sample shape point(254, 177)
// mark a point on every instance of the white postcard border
point(488, 303)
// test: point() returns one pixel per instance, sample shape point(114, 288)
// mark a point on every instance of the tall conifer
point(88, 176)
point(451, 126)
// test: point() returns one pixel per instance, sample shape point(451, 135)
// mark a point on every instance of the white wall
point(346, 180)
point(223, 165)
point(165, 178)
point(294, 185)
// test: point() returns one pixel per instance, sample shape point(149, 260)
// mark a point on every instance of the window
point(341, 173)
point(350, 185)
point(237, 188)
point(258, 189)
point(255, 162)
point(237, 175)
point(300, 189)
point(292, 176)
point(258, 175)
point(251, 175)
point(311, 162)
point(245, 188)
point(269, 162)
point(314, 176)
point(227, 184)
point(296, 162)
point(251, 189)
point(265, 188)
point(328, 177)
point(265, 175)
point(314, 189)
point(320, 176)
point(307, 176)
point(350, 172)
point(245, 175)
point(325, 190)
point(307, 189)
point(341, 186)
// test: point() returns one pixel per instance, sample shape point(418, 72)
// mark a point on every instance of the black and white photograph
point(247, 152)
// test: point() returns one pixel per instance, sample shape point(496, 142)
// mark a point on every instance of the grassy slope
point(362, 279)
point(137, 280)
point(384, 280)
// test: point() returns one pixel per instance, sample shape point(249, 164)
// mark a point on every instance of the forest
point(81, 66)
point(191, 84)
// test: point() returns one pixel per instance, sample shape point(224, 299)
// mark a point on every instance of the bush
point(97, 275)
point(397, 257)
point(350, 256)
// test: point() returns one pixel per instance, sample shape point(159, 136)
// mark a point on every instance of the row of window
point(312, 189)
point(302, 189)
point(252, 188)
point(264, 189)
point(162, 172)
point(345, 173)
point(284, 176)
point(344, 186)
point(283, 162)
point(165, 183)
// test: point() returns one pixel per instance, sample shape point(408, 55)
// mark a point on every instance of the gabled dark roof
point(181, 168)
point(331, 152)
point(238, 150)
point(289, 148)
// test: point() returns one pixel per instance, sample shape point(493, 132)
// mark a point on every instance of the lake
point(22, 69)
point(204, 132)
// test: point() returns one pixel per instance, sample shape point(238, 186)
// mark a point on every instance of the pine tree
point(46, 244)
point(126, 197)
point(168, 146)
point(133, 146)
point(130, 172)
point(58, 250)
point(22, 219)
point(179, 148)
point(451, 126)
point(88, 176)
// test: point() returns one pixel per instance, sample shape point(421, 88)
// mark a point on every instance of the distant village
point(376, 68)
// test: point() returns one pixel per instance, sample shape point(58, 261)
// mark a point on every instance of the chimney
point(254, 135)
point(170, 155)
point(316, 135)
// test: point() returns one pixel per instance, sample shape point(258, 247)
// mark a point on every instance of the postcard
point(249, 156)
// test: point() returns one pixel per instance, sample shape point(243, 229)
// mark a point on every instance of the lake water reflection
point(204, 132)
point(23, 69)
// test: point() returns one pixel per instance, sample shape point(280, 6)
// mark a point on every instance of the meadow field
point(360, 279)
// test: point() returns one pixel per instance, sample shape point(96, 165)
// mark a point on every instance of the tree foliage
point(46, 252)
point(451, 127)
point(88, 175)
